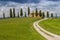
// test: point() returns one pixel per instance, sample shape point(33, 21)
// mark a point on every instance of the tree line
point(30, 14)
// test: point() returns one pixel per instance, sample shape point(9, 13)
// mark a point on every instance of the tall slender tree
point(56, 15)
point(14, 12)
point(43, 15)
point(36, 12)
point(32, 14)
point(47, 14)
point(3, 15)
point(11, 13)
point(51, 15)
point(28, 11)
point(25, 14)
point(18, 15)
point(21, 12)
point(40, 13)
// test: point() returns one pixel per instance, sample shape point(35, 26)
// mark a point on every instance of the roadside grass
point(51, 25)
point(19, 29)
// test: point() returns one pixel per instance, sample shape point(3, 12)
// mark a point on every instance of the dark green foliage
point(43, 15)
point(14, 12)
point(10, 13)
point(47, 14)
point(36, 12)
point(3, 15)
point(25, 14)
point(40, 13)
point(21, 12)
point(51, 15)
point(18, 15)
point(28, 11)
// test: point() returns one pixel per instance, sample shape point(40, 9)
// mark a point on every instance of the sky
point(25, 1)
point(52, 6)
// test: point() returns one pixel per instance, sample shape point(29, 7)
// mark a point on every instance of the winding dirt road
point(44, 33)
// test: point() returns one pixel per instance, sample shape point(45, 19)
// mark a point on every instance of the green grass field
point(51, 25)
point(19, 29)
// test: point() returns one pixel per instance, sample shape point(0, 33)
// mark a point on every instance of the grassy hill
point(19, 29)
point(51, 25)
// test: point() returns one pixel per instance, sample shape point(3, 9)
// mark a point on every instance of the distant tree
point(51, 15)
point(14, 12)
point(18, 14)
point(32, 14)
point(25, 14)
point(47, 14)
point(56, 16)
point(36, 12)
point(28, 11)
point(3, 15)
point(21, 12)
point(10, 13)
point(43, 15)
point(40, 13)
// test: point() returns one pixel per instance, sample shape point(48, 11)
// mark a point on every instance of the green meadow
point(51, 25)
point(21, 29)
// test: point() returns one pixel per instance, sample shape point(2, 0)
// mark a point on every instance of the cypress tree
point(32, 14)
point(14, 12)
point(43, 15)
point(3, 15)
point(25, 14)
point(56, 16)
point(10, 13)
point(47, 14)
point(28, 11)
point(40, 13)
point(21, 12)
point(18, 14)
point(36, 12)
point(51, 15)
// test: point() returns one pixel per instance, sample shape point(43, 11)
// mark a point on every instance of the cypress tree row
point(21, 12)
point(14, 12)
point(11, 13)
point(33, 14)
point(3, 15)
point(28, 11)
point(47, 14)
point(36, 12)
point(51, 15)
